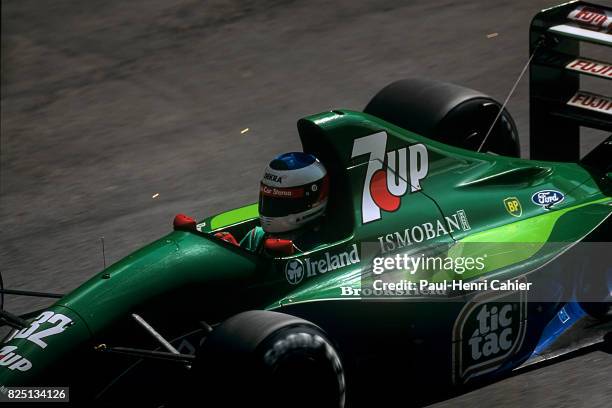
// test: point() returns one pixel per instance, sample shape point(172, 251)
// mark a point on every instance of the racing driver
point(292, 200)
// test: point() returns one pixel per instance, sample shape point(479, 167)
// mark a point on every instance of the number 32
point(30, 333)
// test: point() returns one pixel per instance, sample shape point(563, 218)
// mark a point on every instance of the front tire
point(270, 359)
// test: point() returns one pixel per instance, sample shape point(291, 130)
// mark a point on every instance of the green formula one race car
point(429, 170)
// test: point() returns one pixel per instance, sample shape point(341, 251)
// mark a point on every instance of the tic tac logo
point(488, 330)
point(294, 271)
point(494, 332)
point(383, 188)
point(547, 198)
point(513, 206)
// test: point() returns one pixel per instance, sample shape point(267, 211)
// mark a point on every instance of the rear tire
point(447, 113)
point(263, 358)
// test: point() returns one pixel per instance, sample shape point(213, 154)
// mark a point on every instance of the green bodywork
point(190, 275)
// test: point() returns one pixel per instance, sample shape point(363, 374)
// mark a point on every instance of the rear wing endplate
point(558, 104)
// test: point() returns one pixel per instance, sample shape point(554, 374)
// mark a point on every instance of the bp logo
point(513, 206)
point(294, 271)
point(487, 332)
point(388, 180)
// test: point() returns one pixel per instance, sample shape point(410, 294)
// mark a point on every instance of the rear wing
point(558, 104)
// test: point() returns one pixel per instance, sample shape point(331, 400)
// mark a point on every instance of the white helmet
point(293, 192)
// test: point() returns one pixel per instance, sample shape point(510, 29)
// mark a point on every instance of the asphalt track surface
point(107, 104)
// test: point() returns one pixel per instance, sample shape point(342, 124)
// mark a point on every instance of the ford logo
point(547, 198)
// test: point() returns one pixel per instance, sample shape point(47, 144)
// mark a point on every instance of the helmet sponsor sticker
point(586, 66)
point(273, 177)
point(297, 192)
point(488, 330)
point(547, 198)
point(513, 206)
point(298, 269)
point(591, 101)
point(390, 175)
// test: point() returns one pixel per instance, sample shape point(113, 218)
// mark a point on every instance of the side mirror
point(277, 246)
point(184, 222)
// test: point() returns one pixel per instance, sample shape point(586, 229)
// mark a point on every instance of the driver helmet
point(293, 192)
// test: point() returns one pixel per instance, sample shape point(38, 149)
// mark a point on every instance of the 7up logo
point(294, 271)
point(384, 186)
point(488, 331)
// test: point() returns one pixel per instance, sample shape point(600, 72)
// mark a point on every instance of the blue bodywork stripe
point(565, 318)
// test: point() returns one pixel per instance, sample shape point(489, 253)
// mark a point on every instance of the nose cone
point(33, 351)
point(181, 260)
point(159, 273)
